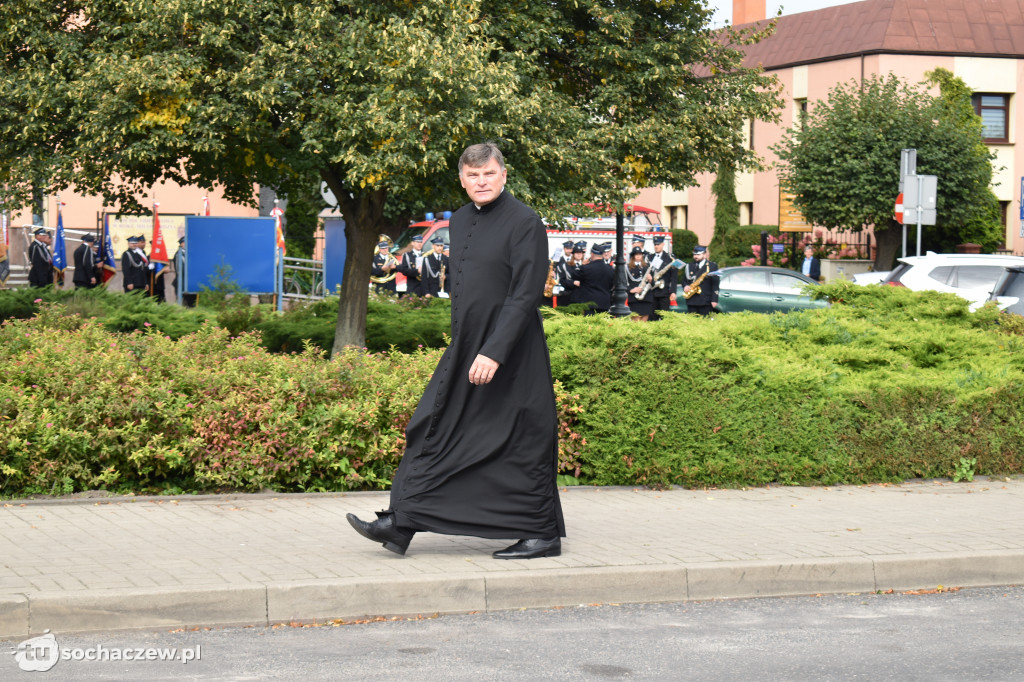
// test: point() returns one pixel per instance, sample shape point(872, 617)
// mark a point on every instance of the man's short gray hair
point(477, 155)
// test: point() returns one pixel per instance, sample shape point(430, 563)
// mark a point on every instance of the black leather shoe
point(384, 531)
point(532, 548)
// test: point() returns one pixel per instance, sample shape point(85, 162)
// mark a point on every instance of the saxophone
point(440, 286)
point(656, 280)
point(695, 287)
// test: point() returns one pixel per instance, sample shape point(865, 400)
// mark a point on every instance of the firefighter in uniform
point(704, 302)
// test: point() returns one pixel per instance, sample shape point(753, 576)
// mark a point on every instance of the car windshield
point(1012, 284)
point(407, 235)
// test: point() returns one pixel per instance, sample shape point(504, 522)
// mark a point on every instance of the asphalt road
point(970, 634)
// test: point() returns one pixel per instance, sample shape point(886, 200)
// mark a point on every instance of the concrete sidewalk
point(76, 565)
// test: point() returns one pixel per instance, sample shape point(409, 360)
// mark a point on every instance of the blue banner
point(60, 256)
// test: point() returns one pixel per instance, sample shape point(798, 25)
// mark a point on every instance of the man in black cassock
point(482, 446)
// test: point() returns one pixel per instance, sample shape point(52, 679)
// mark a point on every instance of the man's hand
point(483, 370)
point(130, 287)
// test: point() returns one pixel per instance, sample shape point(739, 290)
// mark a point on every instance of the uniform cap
point(700, 249)
point(437, 240)
point(659, 240)
point(417, 237)
point(380, 244)
point(567, 244)
point(88, 238)
point(40, 230)
point(636, 250)
point(597, 250)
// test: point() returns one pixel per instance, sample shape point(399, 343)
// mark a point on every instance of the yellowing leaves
point(161, 112)
point(636, 170)
point(372, 180)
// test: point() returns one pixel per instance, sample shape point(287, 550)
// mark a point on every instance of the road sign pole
point(920, 193)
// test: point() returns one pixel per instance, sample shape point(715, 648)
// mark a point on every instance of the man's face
point(568, 251)
point(44, 237)
point(484, 183)
point(141, 245)
point(438, 248)
point(417, 246)
point(382, 251)
point(658, 248)
point(700, 256)
point(808, 253)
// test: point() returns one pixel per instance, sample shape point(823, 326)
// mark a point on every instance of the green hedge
point(840, 395)
point(403, 324)
point(885, 385)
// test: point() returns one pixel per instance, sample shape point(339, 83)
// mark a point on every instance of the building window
point(746, 213)
point(995, 115)
point(677, 216)
point(800, 112)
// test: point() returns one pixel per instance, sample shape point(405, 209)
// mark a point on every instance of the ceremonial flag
point(107, 252)
point(60, 256)
point(5, 264)
point(158, 252)
point(277, 213)
point(206, 205)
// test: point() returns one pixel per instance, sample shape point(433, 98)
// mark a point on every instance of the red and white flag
point(158, 252)
point(277, 213)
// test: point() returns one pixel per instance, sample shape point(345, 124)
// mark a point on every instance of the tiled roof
point(959, 27)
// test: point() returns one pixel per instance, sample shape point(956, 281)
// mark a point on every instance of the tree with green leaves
point(843, 163)
point(588, 99)
point(727, 206)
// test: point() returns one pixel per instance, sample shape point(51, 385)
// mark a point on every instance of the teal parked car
point(759, 290)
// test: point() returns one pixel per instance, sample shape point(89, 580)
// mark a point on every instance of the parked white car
point(970, 276)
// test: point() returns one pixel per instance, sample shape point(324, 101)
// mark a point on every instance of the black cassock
point(481, 459)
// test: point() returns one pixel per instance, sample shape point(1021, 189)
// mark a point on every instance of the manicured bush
point(403, 324)
point(882, 391)
point(82, 408)
point(683, 242)
point(886, 384)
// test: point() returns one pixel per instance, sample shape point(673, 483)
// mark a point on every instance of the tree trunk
point(889, 242)
point(363, 216)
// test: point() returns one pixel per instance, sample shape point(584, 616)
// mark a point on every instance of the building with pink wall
point(980, 41)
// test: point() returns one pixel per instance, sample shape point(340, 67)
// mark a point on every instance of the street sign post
point(920, 197)
point(908, 165)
